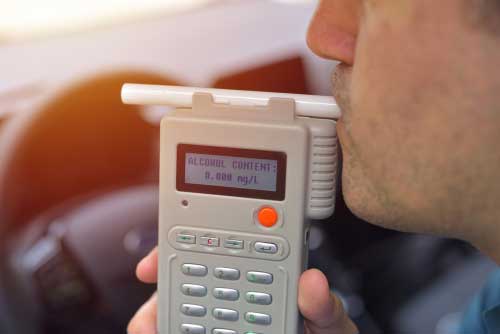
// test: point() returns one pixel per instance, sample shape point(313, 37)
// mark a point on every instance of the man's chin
point(363, 199)
point(357, 200)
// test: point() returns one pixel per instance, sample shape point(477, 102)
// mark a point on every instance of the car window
point(24, 19)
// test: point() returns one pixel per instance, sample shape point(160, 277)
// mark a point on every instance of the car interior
point(79, 169)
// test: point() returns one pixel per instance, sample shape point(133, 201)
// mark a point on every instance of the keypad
point(198, 310)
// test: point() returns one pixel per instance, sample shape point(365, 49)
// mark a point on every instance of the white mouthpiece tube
point(178, 96)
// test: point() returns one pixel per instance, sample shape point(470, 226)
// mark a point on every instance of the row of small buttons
point(225, 314)
point(260, 247)
point(231, 274)
point(197, 329)
point(184, 238)
point(194, 290)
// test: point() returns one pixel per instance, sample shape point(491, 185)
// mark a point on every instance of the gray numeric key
point(192, 329)
point(259, 277)
point(226, 294)
point(223, 331)
point(225, 314)
point(193, 310)
point(258, 318)
point(227, 273)
point(194, 269)
point(258, 298)
point(194, 290)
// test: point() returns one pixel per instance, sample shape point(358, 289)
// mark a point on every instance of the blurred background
point(79, 170)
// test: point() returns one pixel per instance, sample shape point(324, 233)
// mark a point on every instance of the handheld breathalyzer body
point(238, 185)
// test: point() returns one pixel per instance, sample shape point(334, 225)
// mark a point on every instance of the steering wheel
point(78, 209)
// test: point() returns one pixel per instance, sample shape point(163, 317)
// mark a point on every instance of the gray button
point(194, 290)
point(186, 238)
point(227, 273)
point(192, 329)
point(210, 242)
point(225, 314)
point(193, 310)
point(265, 247)
point(258, 318)
point(259, 277)
point(194, 269)
point(226, 294)
point(233, 244)
point(258, 298)
point(223, 331)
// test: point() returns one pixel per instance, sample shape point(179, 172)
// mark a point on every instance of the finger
point(322, 310)
point(144, 321)
point(147, 269)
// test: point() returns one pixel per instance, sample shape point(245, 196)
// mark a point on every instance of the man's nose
point(334, 28)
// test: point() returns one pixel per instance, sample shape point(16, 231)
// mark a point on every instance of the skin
point(419, 88)
point(420, 126)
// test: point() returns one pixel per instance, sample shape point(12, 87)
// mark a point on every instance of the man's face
point(420, 93)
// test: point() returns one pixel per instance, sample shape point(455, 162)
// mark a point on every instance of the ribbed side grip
point(324, 167)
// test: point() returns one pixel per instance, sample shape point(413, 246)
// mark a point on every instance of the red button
point(268, 217)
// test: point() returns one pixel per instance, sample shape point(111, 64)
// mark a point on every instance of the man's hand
point(322, 310)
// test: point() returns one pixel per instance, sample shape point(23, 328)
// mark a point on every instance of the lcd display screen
point(231, 171)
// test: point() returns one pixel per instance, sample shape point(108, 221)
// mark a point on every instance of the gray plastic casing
point(310, 146)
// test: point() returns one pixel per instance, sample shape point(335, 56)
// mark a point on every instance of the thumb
point(323, 311)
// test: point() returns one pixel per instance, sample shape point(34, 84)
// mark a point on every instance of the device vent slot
point(324, 195)
point(321, 163)
point(321, 206)
point(326, 188)
point(321, 145)
point(327, 181)
point(321, 172)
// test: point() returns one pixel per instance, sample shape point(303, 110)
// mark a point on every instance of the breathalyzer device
point(241, 175)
